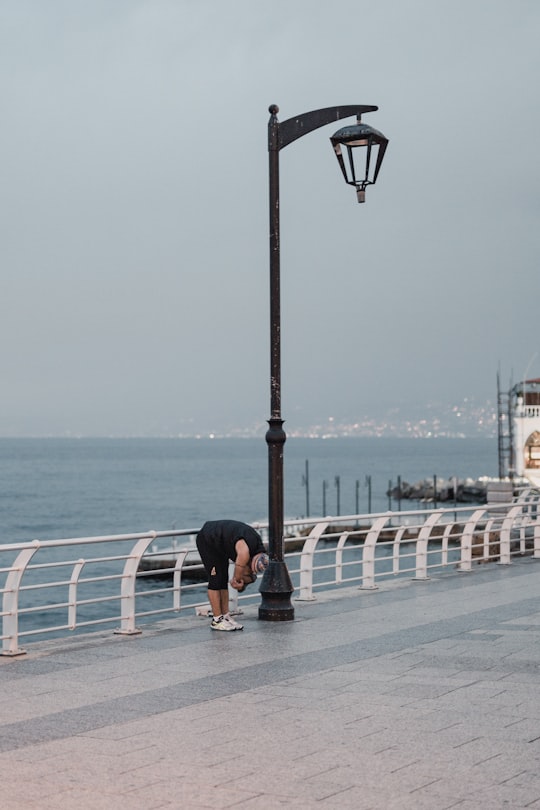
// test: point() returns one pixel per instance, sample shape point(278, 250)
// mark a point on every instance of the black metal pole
point(276, 586)
point(305, 481)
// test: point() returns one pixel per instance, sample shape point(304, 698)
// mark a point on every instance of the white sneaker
point(222, 623)
point(235, 624)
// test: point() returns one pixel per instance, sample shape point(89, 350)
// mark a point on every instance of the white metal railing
point(55, 586)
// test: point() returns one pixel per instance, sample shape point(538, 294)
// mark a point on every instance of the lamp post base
point(276, 589)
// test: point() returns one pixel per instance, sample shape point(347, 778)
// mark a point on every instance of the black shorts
point(215, 564)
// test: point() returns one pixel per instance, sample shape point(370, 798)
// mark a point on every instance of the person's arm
point(241, 564)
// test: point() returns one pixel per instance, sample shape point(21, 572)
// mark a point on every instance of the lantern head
point(353, 137)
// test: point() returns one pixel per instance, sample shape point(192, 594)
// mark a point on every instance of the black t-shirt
point(224, 534)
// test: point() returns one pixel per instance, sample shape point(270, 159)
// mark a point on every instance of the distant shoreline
point(225, 437)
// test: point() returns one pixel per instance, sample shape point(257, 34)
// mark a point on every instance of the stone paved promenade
point(418, 695)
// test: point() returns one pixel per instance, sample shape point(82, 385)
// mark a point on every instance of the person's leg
point(214, 597)
point(217, 569)
point(224, 601)
point(213, 566)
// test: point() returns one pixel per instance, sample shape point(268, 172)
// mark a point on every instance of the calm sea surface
point(58, 488)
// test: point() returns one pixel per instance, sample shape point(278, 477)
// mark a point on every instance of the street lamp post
point(276, 587)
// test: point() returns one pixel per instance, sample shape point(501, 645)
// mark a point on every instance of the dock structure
point(416, 695)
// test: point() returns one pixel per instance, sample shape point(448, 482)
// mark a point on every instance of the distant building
point(519, 431)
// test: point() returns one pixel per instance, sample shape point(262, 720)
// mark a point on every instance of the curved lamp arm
point(282, 134)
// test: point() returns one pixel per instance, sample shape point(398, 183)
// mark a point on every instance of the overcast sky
point(134, 195)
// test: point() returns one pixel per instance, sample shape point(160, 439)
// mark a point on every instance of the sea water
point(62, 488)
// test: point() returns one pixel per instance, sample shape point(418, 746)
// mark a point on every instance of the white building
point(525, 414)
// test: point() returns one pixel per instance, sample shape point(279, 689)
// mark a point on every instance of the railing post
point(422, 546)
point(306, 563)
point(233, 593)
point(536, 533)
point(72, 598)
point(465, 563)
point(177, 579)
point(339, 557)
point(486, 547)
point(396, 545)
point(504, 536)
point(368, 555)
point(127, 591)
point(10, 602)
point(448, 529)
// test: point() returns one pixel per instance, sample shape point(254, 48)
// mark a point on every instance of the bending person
point(218, 542)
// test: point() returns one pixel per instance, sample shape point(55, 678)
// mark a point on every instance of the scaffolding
point(505, 432)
